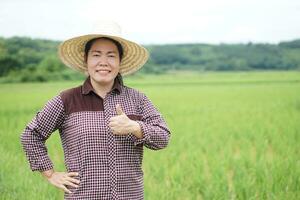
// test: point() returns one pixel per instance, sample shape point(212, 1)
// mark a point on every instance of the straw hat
point(71, 51)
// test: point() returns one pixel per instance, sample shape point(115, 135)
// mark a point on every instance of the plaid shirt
point(109, 166)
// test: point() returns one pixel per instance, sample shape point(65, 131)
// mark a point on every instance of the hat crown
point(107, 28)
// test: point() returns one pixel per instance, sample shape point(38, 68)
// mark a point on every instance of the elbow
point(161, 142)
point(23, 138)
point(165, 142)
point(26, 137)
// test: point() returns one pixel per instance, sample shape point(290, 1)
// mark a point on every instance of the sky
point(156, 21)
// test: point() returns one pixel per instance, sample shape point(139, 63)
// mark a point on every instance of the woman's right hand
point(63, 179)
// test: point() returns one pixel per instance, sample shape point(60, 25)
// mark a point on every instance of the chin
point(103, 80)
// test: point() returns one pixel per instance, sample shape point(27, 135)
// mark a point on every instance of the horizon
point(161, 44)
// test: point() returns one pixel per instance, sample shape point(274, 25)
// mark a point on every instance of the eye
point(111, 56)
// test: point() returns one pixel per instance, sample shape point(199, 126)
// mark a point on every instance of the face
point(103, 62)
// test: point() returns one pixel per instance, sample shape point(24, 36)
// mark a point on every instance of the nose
point(102, 61)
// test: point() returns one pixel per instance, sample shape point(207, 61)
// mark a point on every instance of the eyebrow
point(97, 51)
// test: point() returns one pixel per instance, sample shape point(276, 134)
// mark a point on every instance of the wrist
point(48, 174)
point(136, 129)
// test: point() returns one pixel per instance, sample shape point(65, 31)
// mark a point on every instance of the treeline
point(24, 59)
point(27, 60)
point(231, 57)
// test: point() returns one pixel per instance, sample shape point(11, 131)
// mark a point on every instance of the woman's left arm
point(155, 132)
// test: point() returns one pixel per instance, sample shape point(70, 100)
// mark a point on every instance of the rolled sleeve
point(156, 134)
point(38, 131)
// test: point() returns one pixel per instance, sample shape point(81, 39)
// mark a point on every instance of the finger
point(112, 124)
point(113, 130)
point(72, 174)
point(119, 109)
point(70, 184)
point(64, 188)
point(73, 180)
point(116, 131)
point(112, 119)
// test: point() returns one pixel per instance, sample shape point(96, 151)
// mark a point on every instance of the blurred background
point(225, 74)
point(193, 35)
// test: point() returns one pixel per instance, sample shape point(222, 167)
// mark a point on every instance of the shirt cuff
point(42, 164)
point(146, 134)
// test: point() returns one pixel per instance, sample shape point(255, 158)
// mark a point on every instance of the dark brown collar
point(87, 86)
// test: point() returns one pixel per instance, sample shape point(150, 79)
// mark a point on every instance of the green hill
point(25, 59)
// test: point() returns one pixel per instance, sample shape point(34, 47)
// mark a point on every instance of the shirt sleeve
point(156, 134)
point(38, 131)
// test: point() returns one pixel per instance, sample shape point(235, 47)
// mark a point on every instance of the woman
point(103, 124)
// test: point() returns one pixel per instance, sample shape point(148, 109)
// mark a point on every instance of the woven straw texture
point(71, 52)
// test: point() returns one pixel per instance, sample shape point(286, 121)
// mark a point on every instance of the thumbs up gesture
point(122, 125)
point(119, 110)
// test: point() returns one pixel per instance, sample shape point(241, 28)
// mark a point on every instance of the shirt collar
point(87, 86)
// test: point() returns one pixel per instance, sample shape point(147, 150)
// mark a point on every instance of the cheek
point(91, 63)
point(114, 63)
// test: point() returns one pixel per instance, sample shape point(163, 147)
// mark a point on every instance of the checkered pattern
point(109, 166)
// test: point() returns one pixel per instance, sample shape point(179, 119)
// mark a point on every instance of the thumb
point(119, 110)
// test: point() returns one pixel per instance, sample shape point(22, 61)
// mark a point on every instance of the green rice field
point(234, 136)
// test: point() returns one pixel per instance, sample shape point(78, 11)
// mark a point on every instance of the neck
point(102, 89)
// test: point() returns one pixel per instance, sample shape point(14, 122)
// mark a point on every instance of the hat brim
point(71, 52)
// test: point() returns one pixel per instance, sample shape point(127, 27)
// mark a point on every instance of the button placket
point(108, 113)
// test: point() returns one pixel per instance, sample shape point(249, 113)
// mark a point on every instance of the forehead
point(103, 43)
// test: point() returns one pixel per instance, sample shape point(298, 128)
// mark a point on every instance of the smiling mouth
point(103, 70)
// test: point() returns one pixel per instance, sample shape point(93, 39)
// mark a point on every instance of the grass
point(234, 136)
